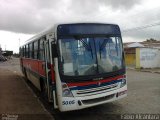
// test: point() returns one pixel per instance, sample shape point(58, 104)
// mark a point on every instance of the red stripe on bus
point(95, 82)
point(34, 65)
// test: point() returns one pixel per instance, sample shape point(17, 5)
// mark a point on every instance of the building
point(0, 51)
point(151, 43)
point(133, 45)
point(130, 52)
point(144, 54)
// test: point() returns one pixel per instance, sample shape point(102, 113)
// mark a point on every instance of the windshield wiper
point(88, 47)
point(101, 47)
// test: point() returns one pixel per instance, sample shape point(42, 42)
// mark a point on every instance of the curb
point(141, 70)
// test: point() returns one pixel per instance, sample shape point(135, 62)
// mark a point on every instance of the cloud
point(32, 16)
point(121, 4)
point(91, 6)
point(150, 17)
point(143, 34)
point(26, 16)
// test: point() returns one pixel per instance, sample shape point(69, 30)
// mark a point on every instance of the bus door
point(44, 67)
point(50, 70)
point(47, 70)
point(53, 53)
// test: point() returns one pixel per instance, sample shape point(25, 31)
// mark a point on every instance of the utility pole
point(19, 42)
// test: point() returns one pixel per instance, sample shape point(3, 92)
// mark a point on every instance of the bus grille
point(96, 100)
point(98, 89)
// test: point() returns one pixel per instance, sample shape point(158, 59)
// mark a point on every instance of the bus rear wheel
point(25, 74)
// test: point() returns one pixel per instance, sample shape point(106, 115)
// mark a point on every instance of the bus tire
point(25, 74)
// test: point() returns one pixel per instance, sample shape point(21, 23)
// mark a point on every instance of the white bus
point(76, 65)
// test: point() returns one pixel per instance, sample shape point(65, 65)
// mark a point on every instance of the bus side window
point(26, 51)
point(23, 51)
point(41, 49)
point(30, 50)
point(35, 49)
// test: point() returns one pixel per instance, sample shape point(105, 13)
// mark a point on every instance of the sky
point(22, 19)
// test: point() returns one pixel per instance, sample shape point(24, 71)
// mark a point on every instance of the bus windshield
point(90, 55)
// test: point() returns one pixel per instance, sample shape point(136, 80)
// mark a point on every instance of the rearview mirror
point(54, 50)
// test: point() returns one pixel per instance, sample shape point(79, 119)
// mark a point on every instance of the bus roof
point(54, 28)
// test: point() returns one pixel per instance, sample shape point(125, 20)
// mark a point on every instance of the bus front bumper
point(76, 103)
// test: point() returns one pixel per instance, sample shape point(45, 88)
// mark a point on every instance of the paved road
point(143, 97)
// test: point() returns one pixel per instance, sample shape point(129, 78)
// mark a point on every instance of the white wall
point(149, 57)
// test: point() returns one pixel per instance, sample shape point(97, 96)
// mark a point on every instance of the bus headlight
point(123, 82)
point(66, 91)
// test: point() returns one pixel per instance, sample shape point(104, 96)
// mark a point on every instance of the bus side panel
point(24, 63)
point(42, 69)
point(34, 76)
point(34, 66)
point(31, 69)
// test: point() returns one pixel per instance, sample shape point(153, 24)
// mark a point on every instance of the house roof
point(133, 45)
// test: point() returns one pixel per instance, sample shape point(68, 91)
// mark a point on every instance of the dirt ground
point(16, 98)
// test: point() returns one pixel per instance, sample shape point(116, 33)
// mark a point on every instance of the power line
point(137, 14)
point(141, 27)
point(133, 15)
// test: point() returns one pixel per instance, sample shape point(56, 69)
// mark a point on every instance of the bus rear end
point(89, 66)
